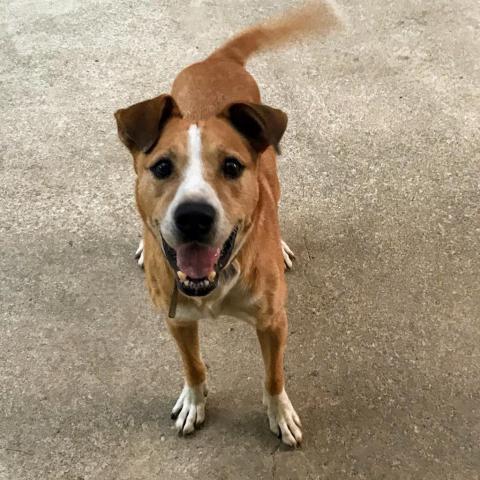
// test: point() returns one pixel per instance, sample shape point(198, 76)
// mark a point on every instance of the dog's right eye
point(163, 168)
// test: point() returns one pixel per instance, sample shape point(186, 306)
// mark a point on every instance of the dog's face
point(197, 186)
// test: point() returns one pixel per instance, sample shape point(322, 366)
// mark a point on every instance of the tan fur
point(186, 336)
point(201, 93)
point(318, 18)
point(272, 342)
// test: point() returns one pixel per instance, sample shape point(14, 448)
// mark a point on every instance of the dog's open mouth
point(197, 266)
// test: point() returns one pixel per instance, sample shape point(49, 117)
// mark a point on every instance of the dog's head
point(197, 186)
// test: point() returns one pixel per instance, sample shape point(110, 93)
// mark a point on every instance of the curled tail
point(318, 17)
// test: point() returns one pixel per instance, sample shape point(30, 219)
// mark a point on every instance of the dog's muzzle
point(197, 266)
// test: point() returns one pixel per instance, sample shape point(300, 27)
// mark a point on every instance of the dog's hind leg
point(189, 410)
point(288, 255)
point(139, 254)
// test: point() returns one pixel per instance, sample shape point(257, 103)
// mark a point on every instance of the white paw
point(189, 410)
point(139, 254)
point(288, 255)
point(283, 419)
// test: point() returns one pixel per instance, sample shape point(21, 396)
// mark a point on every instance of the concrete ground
point(380, 203)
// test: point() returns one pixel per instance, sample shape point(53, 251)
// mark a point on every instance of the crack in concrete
point(274, 465)
point(17, 450)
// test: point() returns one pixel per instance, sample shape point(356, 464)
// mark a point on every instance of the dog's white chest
point(229, 298)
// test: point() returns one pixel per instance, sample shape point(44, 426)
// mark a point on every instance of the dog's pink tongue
point(197, 261)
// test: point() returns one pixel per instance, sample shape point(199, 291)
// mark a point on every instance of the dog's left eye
point(163, 168)
point(232, 168)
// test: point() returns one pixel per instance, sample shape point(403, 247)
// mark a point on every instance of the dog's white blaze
point(194, 182)
point(194, 185)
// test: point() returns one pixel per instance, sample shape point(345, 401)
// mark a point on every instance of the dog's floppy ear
point(261, 125)
point(140, 125)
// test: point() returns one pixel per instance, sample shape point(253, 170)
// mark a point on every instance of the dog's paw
point(283, 419)
point(288, 255)
point(139, 254)
point(189, 411)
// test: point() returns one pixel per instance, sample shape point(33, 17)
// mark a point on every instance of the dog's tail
point(319, 17)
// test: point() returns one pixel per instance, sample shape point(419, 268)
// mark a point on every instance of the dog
point(207, 192)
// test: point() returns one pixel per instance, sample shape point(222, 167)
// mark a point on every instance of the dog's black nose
point(194, 220)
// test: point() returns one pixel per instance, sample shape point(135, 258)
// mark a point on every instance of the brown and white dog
point(207, 191)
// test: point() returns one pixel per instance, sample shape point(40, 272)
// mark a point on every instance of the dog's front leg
point(189, 411)
point(282, 417)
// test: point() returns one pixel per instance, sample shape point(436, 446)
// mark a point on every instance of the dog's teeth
point(187, 283)
point(206, 283)
point(212, 275)
point(181, 276)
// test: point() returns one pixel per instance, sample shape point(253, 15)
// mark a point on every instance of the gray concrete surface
point(380, 202)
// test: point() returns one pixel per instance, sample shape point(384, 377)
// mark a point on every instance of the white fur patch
point(283, 418)
point(190, 408)
point(194, 186)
